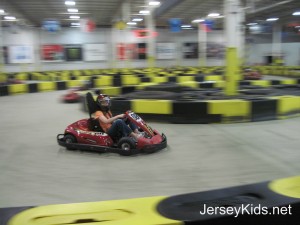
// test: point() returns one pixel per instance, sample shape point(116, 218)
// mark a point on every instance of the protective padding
point(130, 80)
point(18, 88)
point(213, 78)
point(117, 212)
point(46, 86)
point(182, 79)
point(263, 83)
point(104, 81)
point(288, 81)
point(111, 91)
point(159, 79)
point(74, 83)
point(152, 106)
point(288, 104)
point(230, 108)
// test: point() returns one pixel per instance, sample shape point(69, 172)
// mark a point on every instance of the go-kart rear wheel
point(126, 146)
point(69, 139)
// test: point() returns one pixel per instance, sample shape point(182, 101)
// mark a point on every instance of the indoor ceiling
point(106, 13)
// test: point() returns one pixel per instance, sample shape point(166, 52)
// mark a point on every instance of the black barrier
point(7, 213)
point(33, 88)
point(244, 82)
point(275, 82)
point(246, 205)
point(263, 109)
point(127, 89)
point(61, 85)
point(172, 79)
point(199, 78)
point(207, 85)
point(192, 112)
point(120, 105)
point(4, 91)
point(145, 79)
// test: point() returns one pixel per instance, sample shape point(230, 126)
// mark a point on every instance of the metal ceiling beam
point(268, 7)
point(16, 9)
point(165, 6)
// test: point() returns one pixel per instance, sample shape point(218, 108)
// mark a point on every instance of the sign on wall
point(20, 54)
point(215, 50)
point(52, 52)
point(73, 52)
point(190, 50)
point(165, 50)
point(95, 52)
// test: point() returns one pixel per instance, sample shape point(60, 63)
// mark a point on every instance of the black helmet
point(103, 101)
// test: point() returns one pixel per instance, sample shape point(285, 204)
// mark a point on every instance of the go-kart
point(250, 74)
point(86, 134)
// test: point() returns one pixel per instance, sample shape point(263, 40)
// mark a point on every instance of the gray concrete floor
point(35, 170)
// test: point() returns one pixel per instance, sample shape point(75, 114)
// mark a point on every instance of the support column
point(1, 50)
point(151, 39)
point(231, 12)
point(276, 45)
point(202, 42)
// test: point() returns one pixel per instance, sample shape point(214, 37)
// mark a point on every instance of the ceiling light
point(2, 11)
point(213, 15)
point(10, 18)
point(272, 19)
point(131, 23)
point(296, 13)
point(74, 17)
point(70, 3)
point(198, 20)
point(144, 12)
point(251, 24)
point(73, 10)
point(154, 3)
point(186, 26)
point(137, 19)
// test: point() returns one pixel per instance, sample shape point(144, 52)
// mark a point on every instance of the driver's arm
point(103, 119)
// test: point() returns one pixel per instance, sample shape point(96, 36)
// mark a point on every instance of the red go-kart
point(250, 74)
point(86, 134)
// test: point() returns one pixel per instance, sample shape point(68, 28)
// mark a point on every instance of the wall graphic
point(190, 50)
point(73, 52)
point(52, 53)
point(95, 52)
point(215, 50)
point(165, 50)
point(20, 54)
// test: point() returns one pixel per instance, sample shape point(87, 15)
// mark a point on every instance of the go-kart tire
point(126, 146)
point(69, 138)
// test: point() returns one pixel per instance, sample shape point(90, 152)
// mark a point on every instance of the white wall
point(36, 37)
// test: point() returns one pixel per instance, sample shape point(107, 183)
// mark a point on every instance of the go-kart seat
point(93, 124)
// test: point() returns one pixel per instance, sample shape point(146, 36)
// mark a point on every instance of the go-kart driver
point(114, 125)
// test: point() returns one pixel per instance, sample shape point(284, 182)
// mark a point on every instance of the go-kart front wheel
point(127, 146)
point(69, 139)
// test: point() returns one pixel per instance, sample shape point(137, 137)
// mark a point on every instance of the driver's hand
point(121, 116)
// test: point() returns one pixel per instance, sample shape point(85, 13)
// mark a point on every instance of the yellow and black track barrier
point(275, 202)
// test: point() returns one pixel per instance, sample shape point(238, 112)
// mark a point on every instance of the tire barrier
point(251, 109)
point(273, 202)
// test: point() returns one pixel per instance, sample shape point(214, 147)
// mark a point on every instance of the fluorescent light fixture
point(198, 20)
point(75, 24)
point(74, 17)
point(251, 24)
point(131, 23)
point(154, 3)
point(73, 10)
point(137, 19)
point(70, 3)
point(272, 19)
point(144, 12)
point(296, 13)
point(213, 15)
point(9, 18)
point(186, 26)
point(2, 11)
